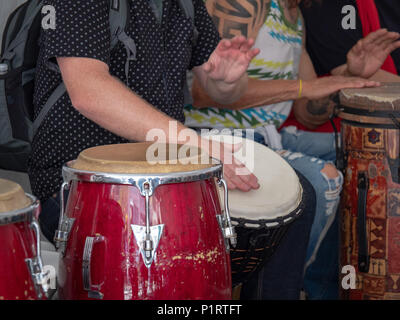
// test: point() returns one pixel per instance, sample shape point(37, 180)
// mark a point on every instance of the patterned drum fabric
point(370, 211)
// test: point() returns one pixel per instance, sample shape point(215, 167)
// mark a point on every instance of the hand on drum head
point(236, 174)
point(324, 87)
point(369, 54)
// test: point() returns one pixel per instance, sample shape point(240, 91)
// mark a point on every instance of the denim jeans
point(321, 272)
point(281, 278)
point(50, 216)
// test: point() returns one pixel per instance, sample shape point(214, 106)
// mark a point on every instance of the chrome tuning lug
point(65, 224)
point(226, 224)
point(35, 266)
point(147, 236)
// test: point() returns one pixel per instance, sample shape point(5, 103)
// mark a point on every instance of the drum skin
point(17, 244)
point(191, 260)
point(369, 150)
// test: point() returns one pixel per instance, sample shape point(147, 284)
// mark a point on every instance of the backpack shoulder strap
point(119, 18)
point(57, 94)
point(188, 9)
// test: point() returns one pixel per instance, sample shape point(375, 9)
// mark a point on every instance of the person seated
point(329, 44)
point(278, 29)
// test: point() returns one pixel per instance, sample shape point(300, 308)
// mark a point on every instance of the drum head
point(386, 97)
point(371, 105)
point(12, 197)
point(146, 158)
point(280, 191)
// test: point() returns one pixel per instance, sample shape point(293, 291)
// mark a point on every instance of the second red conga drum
point(133, 230)
point(21, 269)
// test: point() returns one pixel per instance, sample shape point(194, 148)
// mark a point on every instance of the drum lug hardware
point(65, 224)
point(40, 278)
point(228, 229)
point(221, 222)
point(144, 242)
point(62, 235)
point(86, 266)
point(147, 237)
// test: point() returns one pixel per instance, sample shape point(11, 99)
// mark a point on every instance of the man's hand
point(323, 87)
point(237, 176)
point(368, 55)
point(230, 60)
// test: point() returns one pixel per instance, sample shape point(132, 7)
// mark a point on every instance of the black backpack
point(18, 58)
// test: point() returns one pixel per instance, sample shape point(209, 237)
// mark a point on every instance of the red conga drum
point(136, 230)
point(21, 269)
point(370, 215)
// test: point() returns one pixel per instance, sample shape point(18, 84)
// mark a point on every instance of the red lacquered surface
point(17, 244)
point(191, 261)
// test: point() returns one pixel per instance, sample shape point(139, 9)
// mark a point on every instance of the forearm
point(226, 93)
point(258, 93)
point(109, 103)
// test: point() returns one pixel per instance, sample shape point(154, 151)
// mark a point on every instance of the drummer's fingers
point(245, 174)
point(392, 46)
point(389, 38)
point(249, 179)
point(230, 174)
point(373, 37)
point(359, 83)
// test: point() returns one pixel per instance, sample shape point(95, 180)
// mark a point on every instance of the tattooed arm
point(238, 17)
point(245, 17)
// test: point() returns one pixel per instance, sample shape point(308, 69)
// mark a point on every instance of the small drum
point(138, 230)
point(21, 270)
point(370, 209)
point(261, 217)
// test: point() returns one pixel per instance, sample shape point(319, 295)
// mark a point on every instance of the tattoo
point(239, 17)
point(322, 106)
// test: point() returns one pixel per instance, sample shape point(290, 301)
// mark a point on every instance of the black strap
point(363, 256)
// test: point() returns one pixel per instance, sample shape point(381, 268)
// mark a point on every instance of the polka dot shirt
point(165, 52)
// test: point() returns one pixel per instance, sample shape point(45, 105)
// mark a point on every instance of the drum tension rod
point(228, 228)
point(148, 245)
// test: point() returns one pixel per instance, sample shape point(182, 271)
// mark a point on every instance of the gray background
point(6, 7)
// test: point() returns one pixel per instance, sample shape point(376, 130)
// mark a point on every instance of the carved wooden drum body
point(370, 210)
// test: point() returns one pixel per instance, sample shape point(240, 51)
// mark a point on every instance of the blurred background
point(6, 8)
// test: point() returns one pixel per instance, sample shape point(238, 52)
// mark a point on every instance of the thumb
point(208, 67)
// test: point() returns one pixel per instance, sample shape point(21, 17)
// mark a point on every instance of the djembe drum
point(21, 269)
point(370, 210)
point(261, 217)
point(134, 229)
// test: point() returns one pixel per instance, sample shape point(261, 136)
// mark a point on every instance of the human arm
point(367, 56)
point(259, 92)
point(105, 100)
